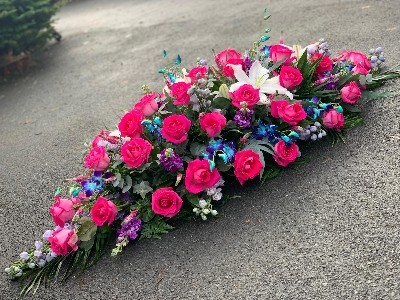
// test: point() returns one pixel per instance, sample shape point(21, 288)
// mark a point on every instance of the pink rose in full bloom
point(280, 52)
point(175, 128)
point(350, 93)
point(247, 165)
point(63, 241)
point(104, 135)
point(103, 211)
point(97, 159)
point(333, 119)
point(290, 77)
point(245, 93)
point(289, 113)
point(147, 105)
point(199, 176)
point(228, 57)
point(197, 73)
point(62, 211)
point(179, 91)
point(135, 152)
point(212, 123)
point(325, 65)
point(356, 58)
point(166, 202)
point(360, 69)
point(285, 154)
point(131, 124)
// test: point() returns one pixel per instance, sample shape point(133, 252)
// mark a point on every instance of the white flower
point(202, 203)
point(258, 78)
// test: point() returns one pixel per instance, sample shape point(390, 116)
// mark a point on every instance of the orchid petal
point(240, 74)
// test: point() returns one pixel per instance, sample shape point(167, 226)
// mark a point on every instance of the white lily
point(258, 78)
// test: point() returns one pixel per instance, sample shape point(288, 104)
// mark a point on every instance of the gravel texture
point(328, 229)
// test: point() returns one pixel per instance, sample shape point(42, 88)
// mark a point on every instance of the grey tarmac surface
point(328, 229)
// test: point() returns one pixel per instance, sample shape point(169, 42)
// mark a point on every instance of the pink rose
point(147, 105)
point(356, 58)
point(333, 119)
point(247, 165)
point(325, 65)
point(199, 176)
point(166, 202)
point(359, 69)
point(131, 124)
point(103, 211)
point(212, 123)
point(228, 57)
point(280, 52)
point(179, 92)
point(104, 135)
point(290, 77)
point(285, 154)
point(175, 128)
point(63, 241)
point(350, 93)
point(197, 73)
point(62, 211)
point(289, 113)
point(97, 159)
point(245, 93)
point(136, 152)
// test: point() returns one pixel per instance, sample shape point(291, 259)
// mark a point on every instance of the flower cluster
point(246, 117)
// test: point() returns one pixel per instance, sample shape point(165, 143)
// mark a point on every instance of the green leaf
point(155, 229)
point(196, 149)
point(349, 107)
point(87, 245)
point(302, 62)
point(221, 103)
point(224, 91)
point(142, 189)
point(87, 230)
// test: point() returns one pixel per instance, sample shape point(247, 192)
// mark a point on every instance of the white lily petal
point(263, 100)
point(258, 74)
point(240, 74)
point(236, 86)
point(272, 86)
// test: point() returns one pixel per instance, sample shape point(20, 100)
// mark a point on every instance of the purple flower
point(171, 161)
point(243, 117)
point(129, 228)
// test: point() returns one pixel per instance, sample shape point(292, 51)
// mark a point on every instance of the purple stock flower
point(171, 161)
point(243, 117)
point(129, 228)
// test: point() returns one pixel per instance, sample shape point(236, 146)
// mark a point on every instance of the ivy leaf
point(142, 189)
point(87, 230)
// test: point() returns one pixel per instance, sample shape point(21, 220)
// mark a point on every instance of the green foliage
point(155, 228)
point(25, 24)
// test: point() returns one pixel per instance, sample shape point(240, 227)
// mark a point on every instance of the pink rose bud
point(290, 77)
point(97, 159)
point(62, 211)
point(247, 165)
point(199, 176)
point(179, 91)
point(289, 113)
point(136, 152)
point(350, 93)
point(166, 202)
point(147, 105)
point(103, 211)
point(333, 119)
point(285, 154)
point(175, 128)
point(212, 123)
point(63, 241)
point(226, 58)
point(279, 52)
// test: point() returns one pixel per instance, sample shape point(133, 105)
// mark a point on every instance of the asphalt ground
point(328, 229)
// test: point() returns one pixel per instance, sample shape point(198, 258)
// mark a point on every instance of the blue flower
point(264, 130)
point(90, 187)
